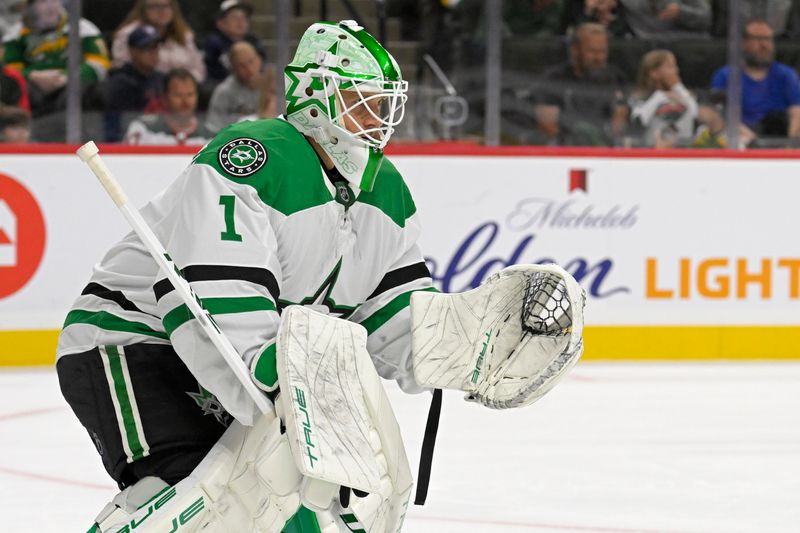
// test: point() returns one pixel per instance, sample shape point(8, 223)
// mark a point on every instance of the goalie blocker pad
point(505, 343)
point(338, 419)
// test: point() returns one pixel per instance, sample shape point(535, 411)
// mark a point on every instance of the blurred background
point(612, 73)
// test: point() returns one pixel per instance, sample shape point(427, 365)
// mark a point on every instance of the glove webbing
point(428, 443)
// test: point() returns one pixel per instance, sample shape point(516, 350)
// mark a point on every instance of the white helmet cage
point(373, 108)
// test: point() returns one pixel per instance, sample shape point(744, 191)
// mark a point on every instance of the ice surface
point(615, 448)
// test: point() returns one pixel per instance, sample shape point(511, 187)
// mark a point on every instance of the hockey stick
point(89, 155)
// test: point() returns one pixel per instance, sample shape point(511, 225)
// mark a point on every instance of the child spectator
point(178, 49)
point(179, 124)
point(15, 125)
point(661, 105)
point(770, 90)
point(237, 96)
point(233, 26)
point(649, 19)
point(136, 85)
point(37, 47)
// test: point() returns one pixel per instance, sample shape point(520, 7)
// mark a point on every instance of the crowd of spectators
point(155, 73)
point(146, 78)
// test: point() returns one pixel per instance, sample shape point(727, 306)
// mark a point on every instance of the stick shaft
point(89, 155)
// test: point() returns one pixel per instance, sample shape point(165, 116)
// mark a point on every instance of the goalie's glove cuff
point(264, 369)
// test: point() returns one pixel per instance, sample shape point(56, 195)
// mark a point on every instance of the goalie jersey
point(256, 224)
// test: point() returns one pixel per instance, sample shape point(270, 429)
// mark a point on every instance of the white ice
point(615, 448)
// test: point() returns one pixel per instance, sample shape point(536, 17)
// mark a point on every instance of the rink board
point(683, 257)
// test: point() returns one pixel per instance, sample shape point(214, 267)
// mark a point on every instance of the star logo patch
point(209, 404)
point(242, 157)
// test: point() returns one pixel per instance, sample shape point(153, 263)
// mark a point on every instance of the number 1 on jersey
point(228, 202)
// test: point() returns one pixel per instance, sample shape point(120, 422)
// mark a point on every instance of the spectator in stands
point(534, 18)
point(661, 106)
point(649, 19)
point(179, 124)
point(605, 12)
point(267, 94)
point(10, 14)
point(178, 49)
point(583, 101)
point(521, 18)
point(770, 90)
point(136, 86)
point(777, 13)
point(233, 26)
point(15, 125)
point(37, 48)
point(237, 96)
point(14, 89)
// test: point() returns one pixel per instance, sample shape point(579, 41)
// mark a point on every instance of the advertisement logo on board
point(8, 236)
point(577, 179)
point(22, 236)
point(523, 237)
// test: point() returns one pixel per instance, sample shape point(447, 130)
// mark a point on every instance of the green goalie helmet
point(344, 90)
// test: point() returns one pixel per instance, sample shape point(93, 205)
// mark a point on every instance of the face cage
point(392, 95)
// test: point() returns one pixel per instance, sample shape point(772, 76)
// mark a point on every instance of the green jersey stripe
point(217, 306)
point(125, 408)
point(107, 321)
point(385, 313)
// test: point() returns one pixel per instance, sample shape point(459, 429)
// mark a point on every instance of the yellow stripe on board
point(677, 343)
point(29, 347)
point(603, 343)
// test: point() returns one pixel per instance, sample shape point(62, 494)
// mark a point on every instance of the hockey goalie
point(299, 238)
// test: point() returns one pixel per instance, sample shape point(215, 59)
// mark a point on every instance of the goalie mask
point(344, 90)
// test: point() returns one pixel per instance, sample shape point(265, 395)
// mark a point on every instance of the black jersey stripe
point(95, 289)
point(401, 276)
point(259, 276)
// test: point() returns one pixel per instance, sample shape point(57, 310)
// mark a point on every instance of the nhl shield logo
point(242, 157)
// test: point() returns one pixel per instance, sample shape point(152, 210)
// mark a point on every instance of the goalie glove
point(505, 343)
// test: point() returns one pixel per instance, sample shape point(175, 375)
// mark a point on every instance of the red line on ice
point(32, 412)
point(525, 525)
point(52, 479)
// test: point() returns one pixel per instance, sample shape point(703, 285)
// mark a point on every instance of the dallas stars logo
point(210, 405)
point(242, 157)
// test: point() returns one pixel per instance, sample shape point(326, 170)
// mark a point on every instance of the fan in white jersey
point(301, 210)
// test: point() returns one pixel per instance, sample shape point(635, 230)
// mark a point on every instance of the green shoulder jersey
point(26, 50)
point(256, 224)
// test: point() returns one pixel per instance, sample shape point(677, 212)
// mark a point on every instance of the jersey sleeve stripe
point(105, 293)
point(108, 321)
point(401, 276)
point(385, 313)
point(217, 306)
point(259, 276)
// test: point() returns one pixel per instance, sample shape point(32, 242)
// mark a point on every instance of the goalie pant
point(145, 412)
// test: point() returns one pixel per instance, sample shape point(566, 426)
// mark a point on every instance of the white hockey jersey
point(255, 224)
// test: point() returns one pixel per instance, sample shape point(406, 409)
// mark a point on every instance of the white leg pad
point(340, 424)
point(247, 482)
